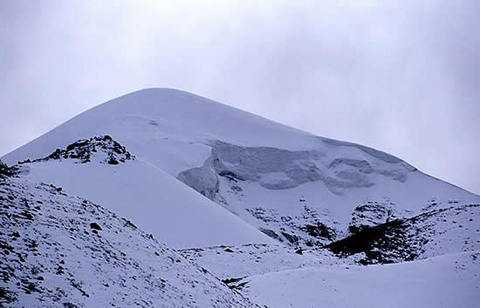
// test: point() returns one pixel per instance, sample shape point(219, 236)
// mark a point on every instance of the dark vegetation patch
point(319, 230)
point(397, 240)
point(384, 243)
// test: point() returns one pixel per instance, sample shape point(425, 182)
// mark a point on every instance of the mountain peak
point(159, 93)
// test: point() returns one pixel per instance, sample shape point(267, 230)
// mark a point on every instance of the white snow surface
point(445, 281)
point(212, 181)
point(157, 202)
point(63, 251)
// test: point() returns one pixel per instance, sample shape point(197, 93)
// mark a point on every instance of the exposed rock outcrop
point(102, 149)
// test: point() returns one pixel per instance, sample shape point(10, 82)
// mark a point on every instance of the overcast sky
point(402, 77)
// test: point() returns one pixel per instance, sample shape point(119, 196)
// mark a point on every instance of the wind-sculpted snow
point(375, 153)
point(275, 168)
point(57, 250)
point(203, 179)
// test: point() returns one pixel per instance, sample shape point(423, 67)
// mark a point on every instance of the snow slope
point(445, 281)
point(157, 202)
point(62, 251)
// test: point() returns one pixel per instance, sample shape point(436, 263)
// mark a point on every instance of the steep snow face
point(275, 168)
point(133, 188)
point(63, 251)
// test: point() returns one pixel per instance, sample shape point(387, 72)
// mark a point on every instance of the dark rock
point(84, 150)
point(95, 226)
point(291, 238)
point(270, 233)
point(384, 243)
point(6, 171)
point(6, 296)
point(320, 230)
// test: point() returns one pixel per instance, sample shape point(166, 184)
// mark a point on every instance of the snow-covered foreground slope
point(63, 251)
point(445, 281)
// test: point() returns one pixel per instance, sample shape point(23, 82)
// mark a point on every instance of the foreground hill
point(57, 250)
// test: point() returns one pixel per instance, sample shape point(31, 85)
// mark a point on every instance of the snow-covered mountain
point(258, 203)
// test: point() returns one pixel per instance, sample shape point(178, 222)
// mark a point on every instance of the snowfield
point(251, 212)
point(446, 281)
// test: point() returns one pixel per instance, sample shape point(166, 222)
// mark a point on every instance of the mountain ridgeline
point(166, 198)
